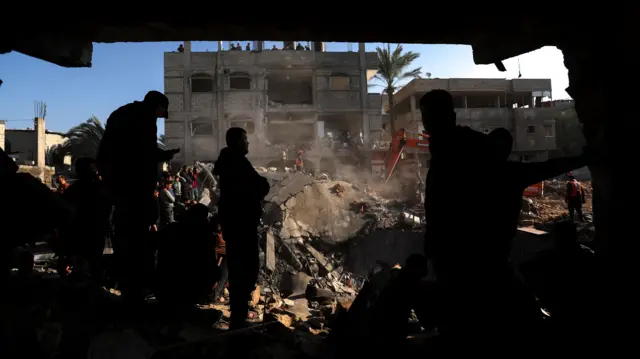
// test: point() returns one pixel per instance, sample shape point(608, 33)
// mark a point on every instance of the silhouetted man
point(240, 209)
point(457, 217)
point(128, 159)
point(458, 161)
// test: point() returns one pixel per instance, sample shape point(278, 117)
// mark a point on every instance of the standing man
point(574, 197)
point(242, 190)
point(128, 158)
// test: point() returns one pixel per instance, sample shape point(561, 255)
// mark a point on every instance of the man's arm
point(532, 173)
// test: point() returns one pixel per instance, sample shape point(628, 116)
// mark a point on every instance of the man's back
point(126, 155)
point(241, 187)
point(456, 182)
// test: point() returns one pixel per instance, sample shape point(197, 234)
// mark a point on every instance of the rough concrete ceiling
point(494, 38)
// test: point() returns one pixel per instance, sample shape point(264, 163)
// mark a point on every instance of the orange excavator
point(389, 159)
point(399, 142)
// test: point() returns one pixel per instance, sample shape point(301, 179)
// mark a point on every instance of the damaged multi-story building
point(485, 104)
point(283, 98)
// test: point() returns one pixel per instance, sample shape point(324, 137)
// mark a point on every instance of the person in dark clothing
point(242, 190)
point(129, 145)
point(86, 236)
point(470, 292)
point(457, 154)
point(575, 197)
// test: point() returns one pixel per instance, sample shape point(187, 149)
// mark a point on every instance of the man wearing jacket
point(128, 158)
point(242, 190)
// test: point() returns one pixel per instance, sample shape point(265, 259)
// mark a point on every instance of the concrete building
point(31, 144)
point(283, 98)
point(486, 104)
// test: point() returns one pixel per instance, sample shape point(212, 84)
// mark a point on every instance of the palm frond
point(83, 140)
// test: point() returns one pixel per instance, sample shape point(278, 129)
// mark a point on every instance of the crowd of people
point(168, 244)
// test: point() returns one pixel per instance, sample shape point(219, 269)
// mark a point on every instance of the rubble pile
point(310, 222)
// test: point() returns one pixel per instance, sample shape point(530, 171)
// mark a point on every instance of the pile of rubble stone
point(309, 221)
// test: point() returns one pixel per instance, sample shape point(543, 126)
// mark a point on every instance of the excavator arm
point(398, 143)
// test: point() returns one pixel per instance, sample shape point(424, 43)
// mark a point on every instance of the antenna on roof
point(519, 72)
point(40, 109)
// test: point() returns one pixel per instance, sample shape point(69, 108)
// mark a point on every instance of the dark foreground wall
point(394, 246)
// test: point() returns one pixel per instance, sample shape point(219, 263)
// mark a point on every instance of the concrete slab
point(270, 251)
point(533, 231)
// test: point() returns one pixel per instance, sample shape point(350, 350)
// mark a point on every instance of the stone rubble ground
point(311, 224)
point(542, 213)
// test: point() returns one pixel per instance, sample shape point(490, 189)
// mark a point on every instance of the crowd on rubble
point(169, 244)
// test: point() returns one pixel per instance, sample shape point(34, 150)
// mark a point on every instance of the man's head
point(571, 176)
point(61, 179)
point(501, 143)
point(237, 140)
point(437, 111)
point(159, 102)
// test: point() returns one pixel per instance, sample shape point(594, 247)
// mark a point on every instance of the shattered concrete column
point(186, 103)
point(40, 142)
point(3, 127)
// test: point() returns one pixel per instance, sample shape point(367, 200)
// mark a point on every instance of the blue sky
point(124, 72)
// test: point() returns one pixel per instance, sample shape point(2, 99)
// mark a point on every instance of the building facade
point(29, 146)
point(283, 98)
point(485, 104)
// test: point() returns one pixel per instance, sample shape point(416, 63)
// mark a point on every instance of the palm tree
point(83, 140)
point(161, 142)
point(392, 71)
point(54, 156)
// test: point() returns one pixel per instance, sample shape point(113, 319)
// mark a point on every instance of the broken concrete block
point(270, 252)
point(287, 253)
point(325, 266)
